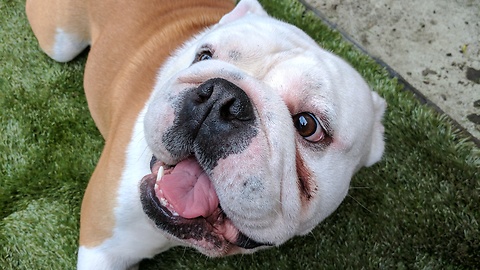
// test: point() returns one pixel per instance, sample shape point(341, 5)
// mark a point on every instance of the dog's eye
point(203, 55)
point(308, 127)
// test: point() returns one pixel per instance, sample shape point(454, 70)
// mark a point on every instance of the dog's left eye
point(308, 127)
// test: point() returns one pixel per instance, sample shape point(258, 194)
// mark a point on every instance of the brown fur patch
point(130, 41)
point(305, 183)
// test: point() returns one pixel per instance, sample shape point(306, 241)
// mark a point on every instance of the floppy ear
point(378, 144)
point(243, 8)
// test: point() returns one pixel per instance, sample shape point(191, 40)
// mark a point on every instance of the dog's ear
point(243, 8)
point(378, 143)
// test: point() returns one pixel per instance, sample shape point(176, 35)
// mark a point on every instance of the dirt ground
point(433, 44)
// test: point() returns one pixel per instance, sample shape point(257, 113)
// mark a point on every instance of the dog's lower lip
point(216, 228)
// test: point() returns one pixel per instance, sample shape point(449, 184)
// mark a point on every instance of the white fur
point(67, 46)
point(280, 69)
point(243, 8)
point(134, 236)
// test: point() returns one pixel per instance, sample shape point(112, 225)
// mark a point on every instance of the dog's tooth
point(160, 173)
point(164, 202)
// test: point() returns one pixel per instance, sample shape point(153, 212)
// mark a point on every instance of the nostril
point(222, 100)
point(204, 92)
point(234, 108)
point(225, 113)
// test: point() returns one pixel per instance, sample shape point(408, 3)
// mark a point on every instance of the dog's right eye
point(203, 55)
point(308, 127)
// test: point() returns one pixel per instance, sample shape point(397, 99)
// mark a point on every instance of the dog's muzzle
point(212, 121)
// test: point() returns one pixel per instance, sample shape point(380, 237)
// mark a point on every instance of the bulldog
point(225, 129)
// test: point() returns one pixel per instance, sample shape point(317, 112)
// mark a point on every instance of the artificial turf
point(419, 208)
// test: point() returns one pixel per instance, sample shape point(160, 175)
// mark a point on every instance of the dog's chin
point(183, 203)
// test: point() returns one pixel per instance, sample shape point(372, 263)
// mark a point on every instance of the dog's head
point(256, 133)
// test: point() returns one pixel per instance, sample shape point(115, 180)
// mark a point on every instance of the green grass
point(419, 208)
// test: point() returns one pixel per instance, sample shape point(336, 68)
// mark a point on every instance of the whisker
point(145, 150)
point(241, 257)
point(312, 234)
point(363, 206)
point(360, 187)
point(184, 251)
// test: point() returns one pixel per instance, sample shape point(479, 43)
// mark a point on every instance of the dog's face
point(256, 133)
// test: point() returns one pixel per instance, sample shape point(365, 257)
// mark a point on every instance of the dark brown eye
point(308, 127)
point(203, 55)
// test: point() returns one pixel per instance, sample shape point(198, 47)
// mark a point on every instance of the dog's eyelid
point(205, 52)
point(206, 48)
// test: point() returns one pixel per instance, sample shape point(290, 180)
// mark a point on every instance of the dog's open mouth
point(181, 200)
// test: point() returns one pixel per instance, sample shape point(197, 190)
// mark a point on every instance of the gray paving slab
point(433, 44)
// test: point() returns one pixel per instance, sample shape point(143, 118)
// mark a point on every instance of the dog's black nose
point(212, 121)
point(224, 101)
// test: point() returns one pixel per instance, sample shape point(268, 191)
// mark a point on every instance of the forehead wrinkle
point(307, 92)
point(297, 88)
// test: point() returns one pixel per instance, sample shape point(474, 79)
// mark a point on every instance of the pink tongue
point(189, 190)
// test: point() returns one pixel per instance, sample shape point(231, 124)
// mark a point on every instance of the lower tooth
point(164, 202)
point(167, 205)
